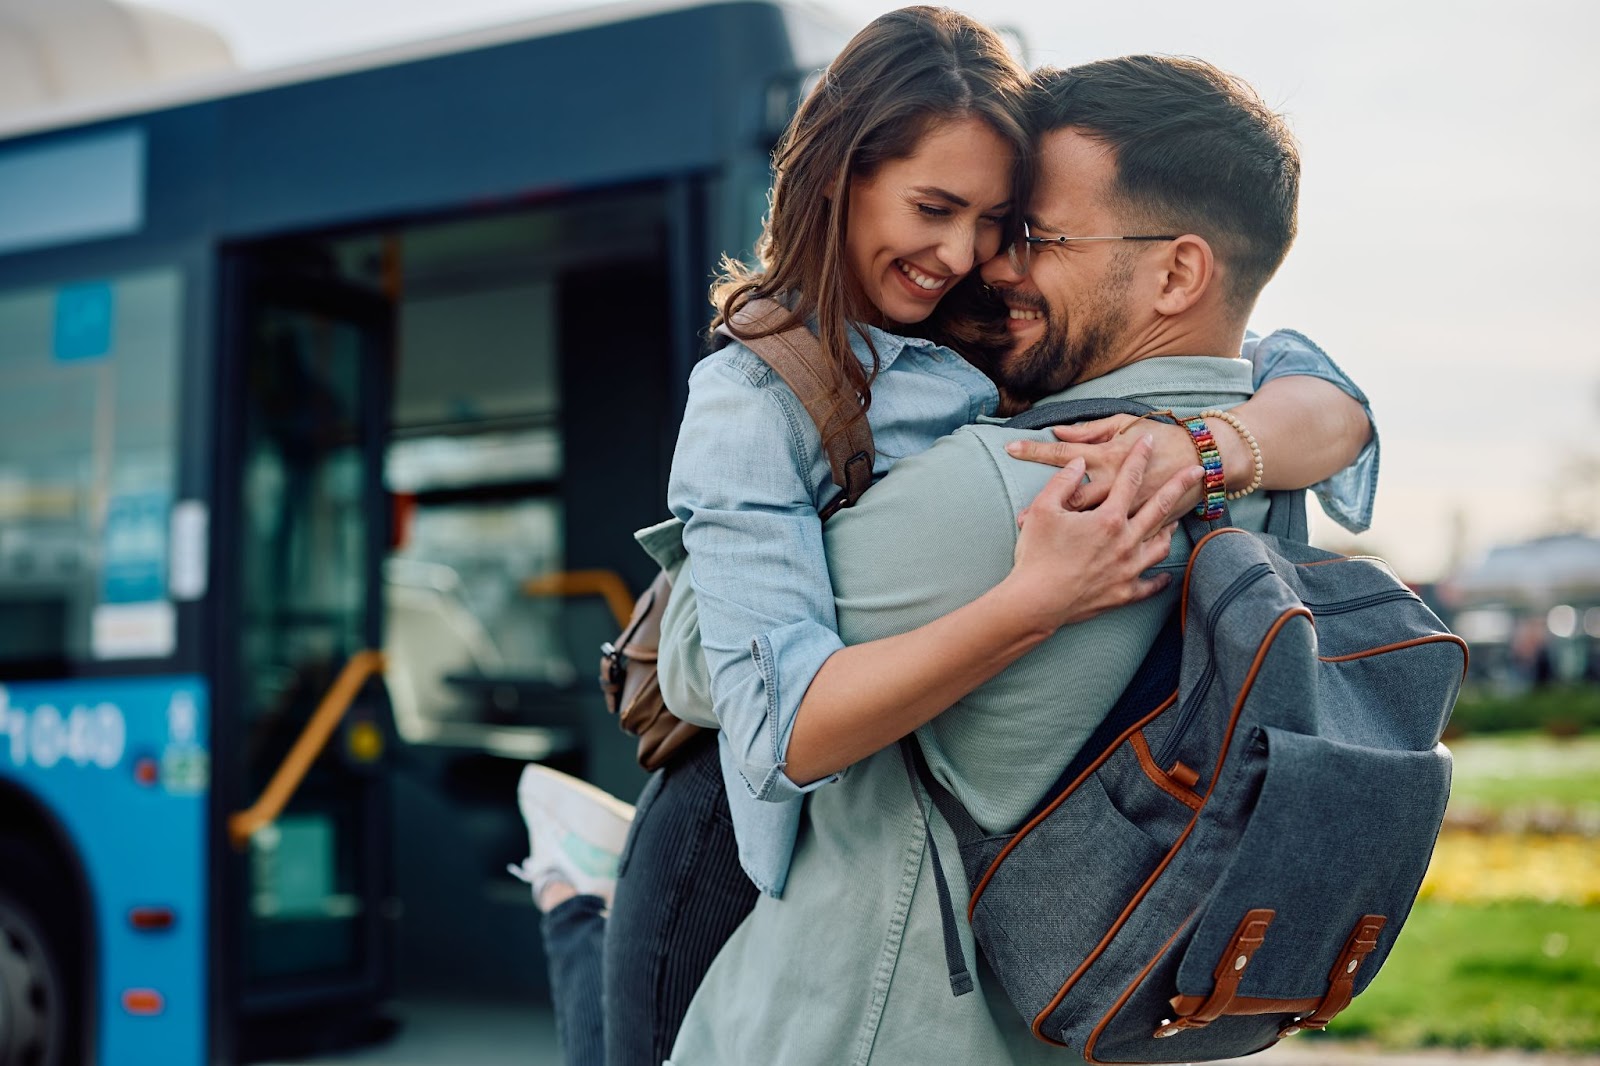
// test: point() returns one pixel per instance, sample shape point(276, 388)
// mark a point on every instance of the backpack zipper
point(1191, 706)
point(1371, 599)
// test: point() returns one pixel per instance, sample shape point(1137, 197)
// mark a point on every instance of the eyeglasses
point(1020, 254)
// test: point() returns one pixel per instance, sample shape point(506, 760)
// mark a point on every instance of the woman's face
point(919, 224)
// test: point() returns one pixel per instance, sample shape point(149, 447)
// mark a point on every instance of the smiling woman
point(921, 223)
point(909, 153)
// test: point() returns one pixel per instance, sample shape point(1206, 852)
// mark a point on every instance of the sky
point(1448, 219)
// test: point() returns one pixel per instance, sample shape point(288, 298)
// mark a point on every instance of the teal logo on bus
point(83, 321)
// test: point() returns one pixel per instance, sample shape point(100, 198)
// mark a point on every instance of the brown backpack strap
point(796, 356)
point(628, 676)
point(1363, 941)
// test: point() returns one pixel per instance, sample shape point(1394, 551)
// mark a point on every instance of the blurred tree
point(1575, 491)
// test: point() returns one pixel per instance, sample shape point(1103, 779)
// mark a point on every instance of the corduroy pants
point(680, 895)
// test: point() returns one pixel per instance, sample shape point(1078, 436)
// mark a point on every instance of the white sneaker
point(575, 833)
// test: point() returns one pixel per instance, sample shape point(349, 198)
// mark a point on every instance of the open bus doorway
point(517, 384)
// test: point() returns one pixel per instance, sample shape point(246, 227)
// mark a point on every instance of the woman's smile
point(923, 284)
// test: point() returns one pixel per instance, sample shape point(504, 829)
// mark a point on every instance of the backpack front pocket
point(1046, 909)
point(1269, 937)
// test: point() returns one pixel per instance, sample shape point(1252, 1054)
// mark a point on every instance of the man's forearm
point(1308, 430)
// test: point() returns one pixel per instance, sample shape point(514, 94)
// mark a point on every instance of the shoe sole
point(572, 800)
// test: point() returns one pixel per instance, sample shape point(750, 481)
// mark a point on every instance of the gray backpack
point(1230, 856)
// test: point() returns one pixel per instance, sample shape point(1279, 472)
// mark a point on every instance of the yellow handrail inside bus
point(363, 665)
point(607, 584)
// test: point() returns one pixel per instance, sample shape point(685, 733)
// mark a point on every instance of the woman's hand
point(1105, 448)
point(1068, 566)
point(1072, 564)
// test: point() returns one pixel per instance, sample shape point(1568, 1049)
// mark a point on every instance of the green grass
point(1506, 975)
point(1523, 770)
point(1567, 708)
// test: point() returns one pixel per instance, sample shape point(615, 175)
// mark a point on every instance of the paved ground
point(1294, 1052)
point(445, 1033)
point(438, 1033)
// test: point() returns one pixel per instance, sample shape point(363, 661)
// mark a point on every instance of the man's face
point(1068, 317)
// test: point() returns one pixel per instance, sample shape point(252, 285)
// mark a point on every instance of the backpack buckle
point(1246, 941)
point(613, 672)
point(611, 655)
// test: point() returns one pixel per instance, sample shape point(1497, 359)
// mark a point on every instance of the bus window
point(88, 436)
point(478, 445)
point(478, 453)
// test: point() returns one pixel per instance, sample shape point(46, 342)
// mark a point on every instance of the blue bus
point(328, 399)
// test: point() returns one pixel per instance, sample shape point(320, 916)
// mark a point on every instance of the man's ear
point(1188, 271)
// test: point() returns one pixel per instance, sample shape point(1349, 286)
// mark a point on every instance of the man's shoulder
point(957, 470)
point(972, 460)
point(962, 469)
point(1021, 480)
point(935, 533)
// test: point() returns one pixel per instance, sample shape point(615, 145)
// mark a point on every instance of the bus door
point(312, 359)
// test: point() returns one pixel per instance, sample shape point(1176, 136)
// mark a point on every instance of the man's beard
point(1070, 350)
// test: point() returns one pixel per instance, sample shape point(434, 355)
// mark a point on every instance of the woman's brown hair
point(903, 73)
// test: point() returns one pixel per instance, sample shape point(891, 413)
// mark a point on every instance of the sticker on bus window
point(189, 558)
point(134, 557)
point(135, 619)
point(134, 630)
point(84, 316)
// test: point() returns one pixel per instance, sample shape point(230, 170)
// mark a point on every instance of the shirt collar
point(1165, 376)
point(888, 345)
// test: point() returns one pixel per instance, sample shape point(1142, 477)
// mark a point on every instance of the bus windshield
point(88, 437)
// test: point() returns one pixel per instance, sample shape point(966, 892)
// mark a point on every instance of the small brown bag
point(628, 676)
point(631, 686)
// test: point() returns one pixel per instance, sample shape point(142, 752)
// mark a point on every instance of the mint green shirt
point(848, 967)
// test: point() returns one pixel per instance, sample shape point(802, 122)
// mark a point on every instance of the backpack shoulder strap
point(1066, 412)
point(795, 355)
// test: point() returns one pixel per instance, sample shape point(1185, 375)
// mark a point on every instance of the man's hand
point(1104, 446)
point(1072, 564)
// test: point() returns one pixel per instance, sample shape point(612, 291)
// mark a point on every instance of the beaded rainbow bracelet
point(1214, 506)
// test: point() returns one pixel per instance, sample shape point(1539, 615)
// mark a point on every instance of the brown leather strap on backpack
point(628, 677)
point(795, 355)
point(1362, 942)
point(1246, 941)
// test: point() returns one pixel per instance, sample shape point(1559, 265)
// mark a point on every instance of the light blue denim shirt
point(1347, 496)
point(748, 480)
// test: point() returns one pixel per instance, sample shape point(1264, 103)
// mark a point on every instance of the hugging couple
point(964, 240)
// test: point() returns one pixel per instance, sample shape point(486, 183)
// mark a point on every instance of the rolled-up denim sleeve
point(1347, 496)
point(741, 483)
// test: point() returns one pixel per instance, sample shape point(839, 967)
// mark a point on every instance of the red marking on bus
point(142, 1001)
point(152, 919)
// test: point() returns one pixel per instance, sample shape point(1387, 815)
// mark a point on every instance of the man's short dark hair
point(1197, 151)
